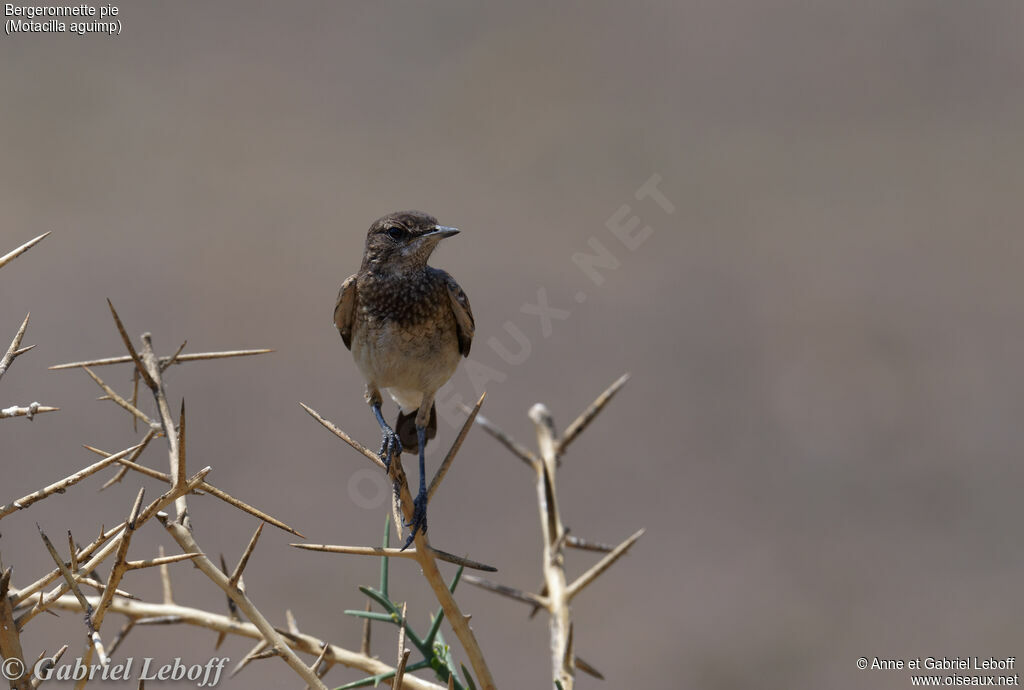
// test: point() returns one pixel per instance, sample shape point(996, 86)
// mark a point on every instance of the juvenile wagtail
point(406, 324)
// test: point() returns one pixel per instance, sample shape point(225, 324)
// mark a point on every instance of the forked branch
point(557, 593)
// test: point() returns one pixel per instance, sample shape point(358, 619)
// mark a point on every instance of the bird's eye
point(396, 233)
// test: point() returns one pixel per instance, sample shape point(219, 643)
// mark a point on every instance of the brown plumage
point(407, 324)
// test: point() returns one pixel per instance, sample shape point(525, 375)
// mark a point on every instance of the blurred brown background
point(823, 427)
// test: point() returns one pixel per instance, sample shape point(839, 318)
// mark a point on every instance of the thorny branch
point(424, 554)
point(16, 350)
point(557, 593)
point(142, 611)
point(19, 606)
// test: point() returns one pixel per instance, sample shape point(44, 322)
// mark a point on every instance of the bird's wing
point(345, 309)
point(463, 315)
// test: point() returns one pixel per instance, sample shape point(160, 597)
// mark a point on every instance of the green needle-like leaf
point(373, 615)
point(446, 654)
point(394, 615)
point(434, 627)
point(384, 560)
point(469, 679)
point(439, 617)
point(375, 680)
point(381, 599)
point(455, 580)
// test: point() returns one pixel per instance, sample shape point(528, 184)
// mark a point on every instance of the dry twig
point(10, 256)
point(424, 554)
point(164, 361)
point(62, 485)
point(557, 593)
point(307, 644)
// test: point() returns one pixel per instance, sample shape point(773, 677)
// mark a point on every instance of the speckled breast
point(404, 335)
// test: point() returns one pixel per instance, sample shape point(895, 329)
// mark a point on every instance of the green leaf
point(375, 680)
point(394, 616)
point(436, 623)
point(443, 672)
point(455, 580)
point(446, 654)
point(435, 626)
point(381, 599)
point(384, 560)
point(373, 615)
point(469, 679)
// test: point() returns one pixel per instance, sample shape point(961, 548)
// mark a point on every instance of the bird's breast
point(404, 335)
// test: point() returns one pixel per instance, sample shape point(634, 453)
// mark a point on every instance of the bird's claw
point(390, 445)
point(419, 519)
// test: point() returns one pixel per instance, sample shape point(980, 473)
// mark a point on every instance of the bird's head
point(403, 241)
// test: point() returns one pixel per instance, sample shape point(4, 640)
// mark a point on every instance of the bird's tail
point(406, 428)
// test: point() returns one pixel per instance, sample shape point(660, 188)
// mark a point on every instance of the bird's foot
point(419, 518)
point(390, 445)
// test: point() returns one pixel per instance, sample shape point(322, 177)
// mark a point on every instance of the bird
point(407, 324)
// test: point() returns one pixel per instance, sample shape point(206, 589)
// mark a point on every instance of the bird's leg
point(389, 442)
point(419, 514)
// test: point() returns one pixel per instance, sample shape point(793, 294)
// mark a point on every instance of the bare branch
point(585, 545)
point(10, 638)
point(232, 609)
point(293, 625)
point(74, 552)
point(93, 634)
point(162, 561)
point(456, 445)
point(62, 485)
point(190, 357)
point(458, 620)
point(185, 540)
point(101, 587)
point(249, 656)
point(180, 479)
point(364, 645)
point(120, 558)
point(519, 451)
point(510, 592)
point(109, 547)
point(461, 560)
point(359, 550)
point(175, 456)
point(315, 666)
point(602, 565)
point(112, 395)
point(207, 488)
point(122, 634)
point(244, 560)
point(123, 470)
point(15, 349)
point(131, 348)
point(29, 411)
point(86, 552)
point(50, 663)
point(587, 416)
point(403, 653)
point(425, 556)
point(173, 358)
point(10, 256)
point(379, 551)
point(553, 560)
point(588, 669)
point(344, 437)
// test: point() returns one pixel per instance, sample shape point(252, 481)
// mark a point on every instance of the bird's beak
point(442, 231)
